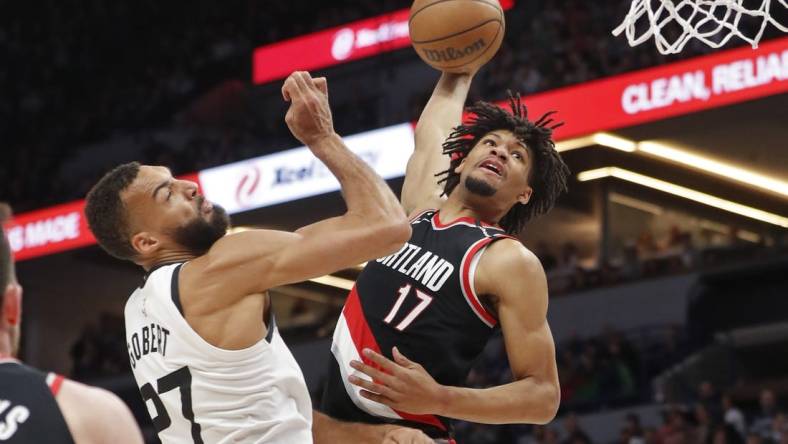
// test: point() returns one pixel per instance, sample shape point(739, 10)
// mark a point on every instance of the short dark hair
point(549, 174)
point(106, 213)
point(6, 257)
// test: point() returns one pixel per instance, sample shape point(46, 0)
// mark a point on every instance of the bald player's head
point(10, 293)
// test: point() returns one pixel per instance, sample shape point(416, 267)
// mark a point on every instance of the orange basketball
point(456, 35)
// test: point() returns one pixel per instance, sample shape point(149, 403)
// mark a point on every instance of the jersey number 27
point(182, 379)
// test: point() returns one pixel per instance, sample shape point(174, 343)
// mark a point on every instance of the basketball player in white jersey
point(41, 407)
point(201, 338)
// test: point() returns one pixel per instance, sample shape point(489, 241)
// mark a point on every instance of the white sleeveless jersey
point(198, 393)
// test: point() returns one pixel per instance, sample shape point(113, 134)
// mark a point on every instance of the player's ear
point(525, 196)
point(145, 243)
point(12, 305)
point(460, 167)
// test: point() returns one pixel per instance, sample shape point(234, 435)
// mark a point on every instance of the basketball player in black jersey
point(417, 320)
point(40, 407)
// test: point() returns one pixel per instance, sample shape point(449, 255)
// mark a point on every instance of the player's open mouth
point(492, 166)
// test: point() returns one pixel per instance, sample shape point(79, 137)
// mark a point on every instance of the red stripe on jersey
point(363, 338)
point(467, 220)
point(467, 286)
point(57, 382)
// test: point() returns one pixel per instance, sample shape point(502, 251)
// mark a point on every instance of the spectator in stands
point(632, 432)
point(574, 433)
point(762, 422)
point(726, 434)
point(779, 434)
point(754, 438)
point(651, 436)
point(733, 416)
point(704, 428)
point(676, 429)
point(708, 397)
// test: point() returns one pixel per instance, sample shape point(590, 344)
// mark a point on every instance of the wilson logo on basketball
point(451, 54)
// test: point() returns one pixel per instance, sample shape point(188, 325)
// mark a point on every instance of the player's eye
point(517, 155)
point(489, 142)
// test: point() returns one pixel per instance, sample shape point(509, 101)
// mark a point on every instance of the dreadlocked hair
point(548, 175)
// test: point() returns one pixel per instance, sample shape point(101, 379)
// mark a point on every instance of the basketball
point(456, 35)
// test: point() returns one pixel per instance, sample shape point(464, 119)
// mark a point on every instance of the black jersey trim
point(154, 268)
point(438, 225)
point(175, 289)
point(271, 324)
point(421, 214)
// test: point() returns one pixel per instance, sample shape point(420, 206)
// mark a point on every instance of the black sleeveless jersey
point(422, 300)
point(29, 413)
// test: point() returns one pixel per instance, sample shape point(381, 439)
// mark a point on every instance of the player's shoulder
point(79, 394)
point(508, 264)
point(510, 254)
point(95, 424)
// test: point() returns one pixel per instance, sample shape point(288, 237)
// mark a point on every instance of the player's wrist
point(444, 395)
point(324, 141)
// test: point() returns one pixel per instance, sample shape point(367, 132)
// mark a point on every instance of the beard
point(479, 187)
point(198, 235)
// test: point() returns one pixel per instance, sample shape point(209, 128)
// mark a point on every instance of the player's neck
point(456, 207)
point(5, 346)
point(168, 257)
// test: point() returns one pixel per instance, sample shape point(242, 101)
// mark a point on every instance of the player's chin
point(482, 185)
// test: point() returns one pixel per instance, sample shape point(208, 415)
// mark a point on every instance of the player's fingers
point(382, 361)
point(306, 87)
point(400, 359)
point(322, 84)
point(377, 398)
point(372, 387)
point(300, 85)
point(287, 86)
point(372, 372)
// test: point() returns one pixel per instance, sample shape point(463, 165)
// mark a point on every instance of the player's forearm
point(526, 401)
point(326, 430)
point(444, 109)
point(364, 191)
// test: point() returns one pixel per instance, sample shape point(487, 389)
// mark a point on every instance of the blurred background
point(667, 261)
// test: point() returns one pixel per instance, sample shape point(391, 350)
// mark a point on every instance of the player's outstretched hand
point(404, 435)
point(309, 116)
point(400, 384)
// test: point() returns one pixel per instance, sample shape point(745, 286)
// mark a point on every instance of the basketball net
point(673, 23)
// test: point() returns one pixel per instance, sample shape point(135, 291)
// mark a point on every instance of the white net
point(673, 23)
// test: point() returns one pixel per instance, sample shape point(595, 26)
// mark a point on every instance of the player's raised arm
point(373, 226)
point(442, 113)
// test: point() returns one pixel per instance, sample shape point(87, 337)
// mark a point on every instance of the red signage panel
point(648, 95)
point(47, 231)
point(357, 40)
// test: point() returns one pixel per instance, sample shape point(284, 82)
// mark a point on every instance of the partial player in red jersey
point(460, 277)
